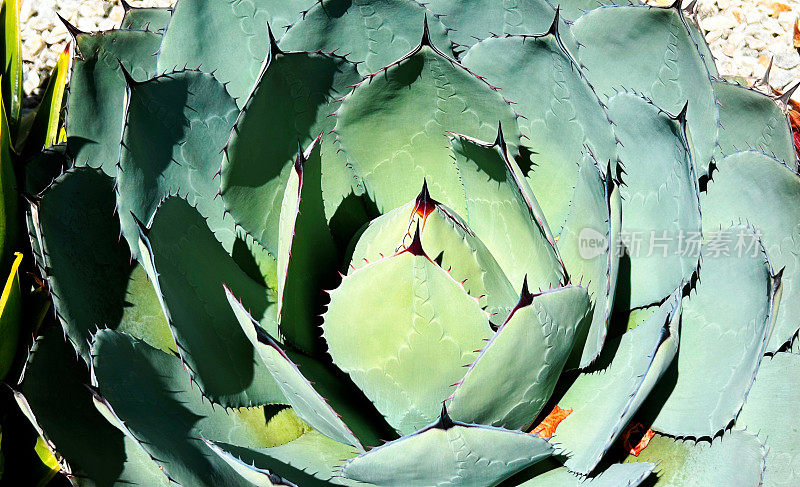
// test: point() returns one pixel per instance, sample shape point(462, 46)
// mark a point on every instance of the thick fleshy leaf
point(724, 330)
point(752, 120)
point(403, 330)
point(256, 476)
point(735, 458)
point(372, 33)
point(589, 245)
point(10, 316)
point(312, 460)
point(770, 412)
point(177, 150)
point(303, 267)
point(562, 119)
point(300, 394)
point(152, 19)
point(659, 59)
point(469, 21)
point(188, 267)
point(572, 9)
point(448, 454)
point(755, 188)
point(54, 397)
point(303, 88)
point(515, 374)
point(91, 277)
point(659, 199)
point(696, 32)
point(450, 239)
point(617, 475)
point(499, 211)
point(504, 213)
point(44, 167)
point(96, 107)
point(172, 433)
point(392, 127)
point(603, 402)
point(236, 51)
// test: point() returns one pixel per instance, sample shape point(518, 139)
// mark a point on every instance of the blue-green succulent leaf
point(300, 394)
point(173, 433)
point(469, 21)
point(188, 267)
point(736, 459)
point(404, 329)
point(312, 460)
point(176, 127)
point(239, 44)
point(515, 374)
point(256, 476)
point(152, 19)
point(617, 475)
point(603, 402)
point(725, 319)
point(572, 9)
point(97, 102)
point(303, 268)
point(659, 199)
point(589, 246)
point(53, 395)
point(659, 59)
point(372, 33)
point(503, 212)
point(290, 105)
point(449, 238)
point(753, 187)
point(770, 412)
point(562, 119)
point(449, 454)
point(752, 120)
point(393, 121)
point(89, 270)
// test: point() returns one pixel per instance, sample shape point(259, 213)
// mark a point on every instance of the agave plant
point(387, 243)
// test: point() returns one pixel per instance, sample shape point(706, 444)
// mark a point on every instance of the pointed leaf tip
point(500, 140)
point(764, 81)
point(139, 223)
point(127, 75)
point(126, 6)
point(787, 95)
point(273, 44)
point(426, 33)
point(73, 31)
point(424, 205)
point(677, 5)
point(553, 29)
point(445, 422)
point(416, 244)
point(525, 296)
point(681, 116)
point(32, 199)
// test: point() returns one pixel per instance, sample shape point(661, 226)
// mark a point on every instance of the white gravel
point(743, 34)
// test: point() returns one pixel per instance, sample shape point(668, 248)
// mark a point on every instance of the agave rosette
point(401, 221)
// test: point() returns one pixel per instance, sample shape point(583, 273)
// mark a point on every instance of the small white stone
point(719, 22)
point(787, 60)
